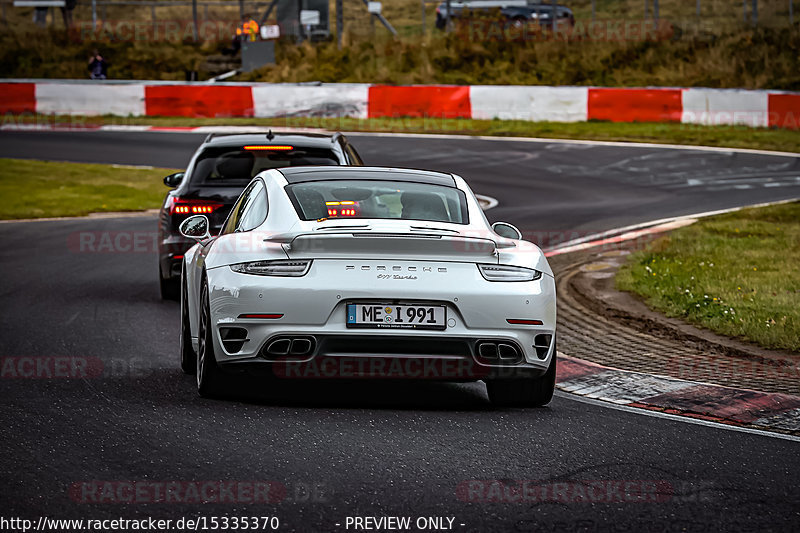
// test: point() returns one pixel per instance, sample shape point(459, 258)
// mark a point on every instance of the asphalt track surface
point(364, 449)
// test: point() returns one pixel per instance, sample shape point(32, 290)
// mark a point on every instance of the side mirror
point(509, 231)
point(195, 227)
point(173, 180)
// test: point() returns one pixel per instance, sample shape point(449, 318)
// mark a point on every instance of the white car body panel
point(316, 302)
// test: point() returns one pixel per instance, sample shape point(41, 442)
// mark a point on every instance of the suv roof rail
point(335, 137)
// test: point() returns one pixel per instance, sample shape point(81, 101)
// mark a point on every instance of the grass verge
point(41, 189)
point(686, 134)
point(735, 274)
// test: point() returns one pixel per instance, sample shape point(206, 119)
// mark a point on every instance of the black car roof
point(305, 140)
point(304, 174)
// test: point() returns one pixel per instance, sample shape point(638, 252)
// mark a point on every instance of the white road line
point(487, 202)
point(585, 244)
point(545, 140)
point(675, 418)
point(654, 226)
point(738, 180)
point(134, 167)
point(122, 128)
point(622, 144)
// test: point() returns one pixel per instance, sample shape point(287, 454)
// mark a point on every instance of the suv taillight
point(180, 206)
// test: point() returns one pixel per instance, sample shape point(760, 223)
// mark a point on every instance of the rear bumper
point(478, 342)
point(171, 250)
point(395, 368)
point(388, 357)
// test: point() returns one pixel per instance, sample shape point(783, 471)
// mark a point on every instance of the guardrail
point(535, 103)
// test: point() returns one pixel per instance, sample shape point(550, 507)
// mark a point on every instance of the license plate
point(396, 316)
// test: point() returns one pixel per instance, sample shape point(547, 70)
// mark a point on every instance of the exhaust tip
point(506, 351)
point(487, 350)
point(279, 347)
point(300, 347)
point(494, 352)
point(289, 346)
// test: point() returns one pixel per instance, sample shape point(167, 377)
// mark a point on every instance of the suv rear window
point(404, 200)
point(237, 165)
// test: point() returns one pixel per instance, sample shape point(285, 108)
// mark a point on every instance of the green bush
point(746, 58)
point(762, 58)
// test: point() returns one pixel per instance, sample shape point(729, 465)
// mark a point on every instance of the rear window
point(237, 165)
point(378, 199)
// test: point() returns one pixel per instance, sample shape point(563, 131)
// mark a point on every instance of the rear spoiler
point(392, 245)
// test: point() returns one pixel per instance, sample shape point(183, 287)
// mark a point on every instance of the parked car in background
point(218, 172)
point(518, 12)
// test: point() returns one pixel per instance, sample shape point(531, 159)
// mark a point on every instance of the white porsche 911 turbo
point(359, 272)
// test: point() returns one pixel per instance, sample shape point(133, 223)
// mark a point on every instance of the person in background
point(40, 16)
point(98, 67)
point(246, 31)
point(66, 13)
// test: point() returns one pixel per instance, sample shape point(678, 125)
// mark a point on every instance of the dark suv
point(516, 11)
point(219, 171)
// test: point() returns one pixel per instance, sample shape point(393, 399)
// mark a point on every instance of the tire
point(210, 379)
point(188, 355)
point(170, 287)
point(524, 392)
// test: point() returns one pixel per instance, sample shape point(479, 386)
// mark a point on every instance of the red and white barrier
point(80, 99)
point(635, 105)
point(535, 103)
point(508, 102)
point(725, 106)
point(329, 99)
